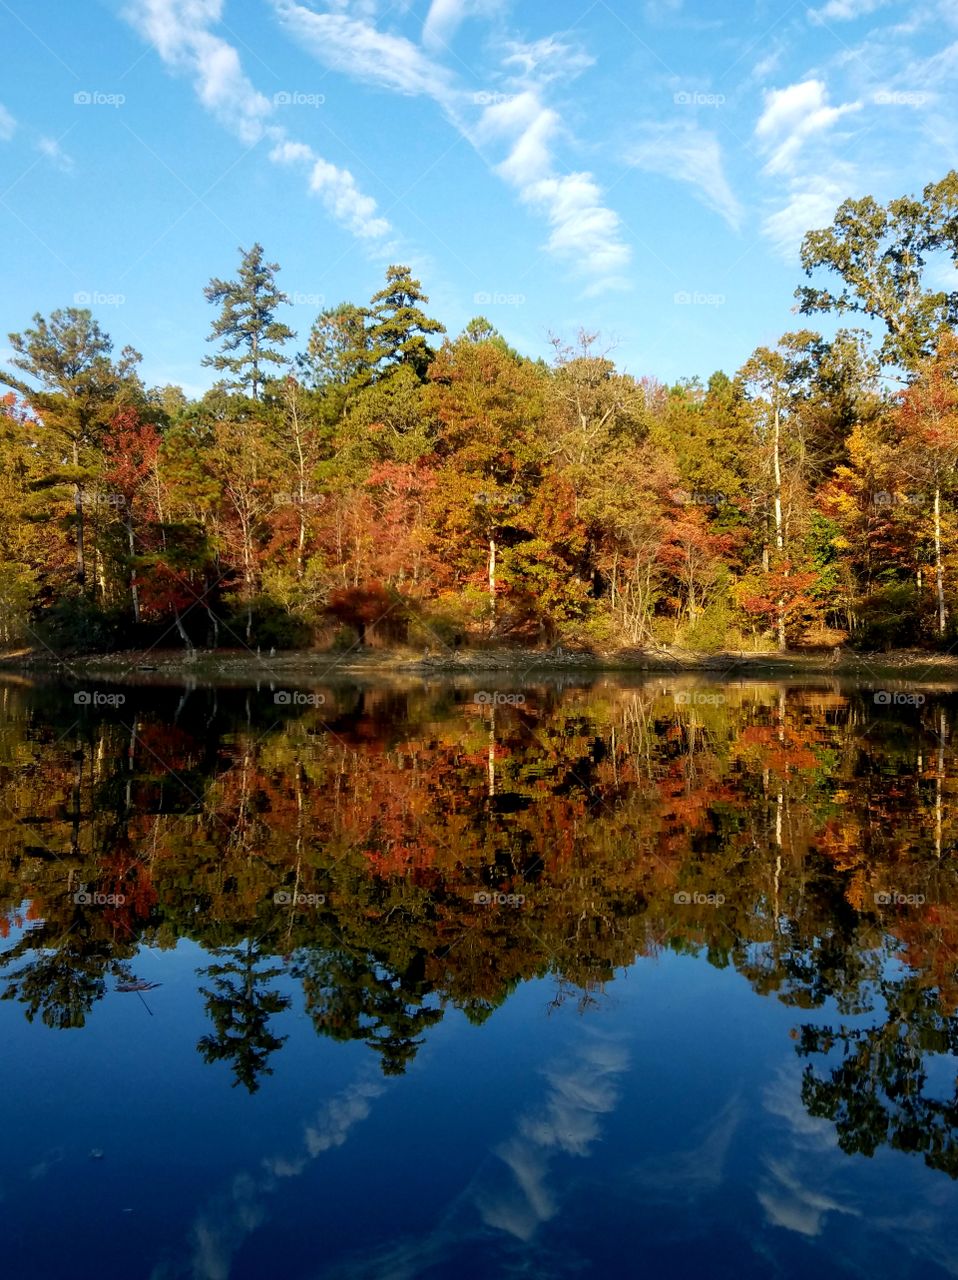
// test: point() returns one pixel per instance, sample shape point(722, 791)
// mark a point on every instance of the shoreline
point(300, 665)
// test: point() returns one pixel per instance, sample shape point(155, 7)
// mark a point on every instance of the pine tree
point(80, 388)
point(397, 336)
point(247, 323)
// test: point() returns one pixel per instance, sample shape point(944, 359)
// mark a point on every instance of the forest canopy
point(378, 481)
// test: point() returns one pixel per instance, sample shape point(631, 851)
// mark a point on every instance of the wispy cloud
point(547, 59)
point(811, 203)
point(791, 1204)
point(337, 188)
point(179, 31)
point(791, 116)
point(354, 46)
point(690, 155)
point(845, 10)
point(518, 133)
point(8, 125)
point(445, 17)
point(52, 151)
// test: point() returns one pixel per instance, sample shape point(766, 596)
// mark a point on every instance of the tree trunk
point(492, 584)
point(779, 534)
point(182, 630)
point(78, 504)
point(134, 589)
point(939, 564)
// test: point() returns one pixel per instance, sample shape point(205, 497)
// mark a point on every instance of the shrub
point(272, 625)
point(892, 617)
point(75, 624)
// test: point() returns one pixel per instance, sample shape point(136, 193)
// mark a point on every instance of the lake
point(550, 978)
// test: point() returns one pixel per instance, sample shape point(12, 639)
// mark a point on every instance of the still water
point(598, 978)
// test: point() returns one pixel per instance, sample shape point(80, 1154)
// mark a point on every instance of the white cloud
point(530, 159)
point(446, 16)
point(689, 155)
point(791, 116)
point(51, 149)
point(583, 230)
point(7, 124)
point(845, 10)
point(547, 59)
point(354, 46)
point(657, 10)
point(811, 204)
point(337, 189)
point(177, 29)
point(816, 182)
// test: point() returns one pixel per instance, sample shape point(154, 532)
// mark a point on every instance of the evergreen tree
point(338, 353)
point(247, 323)
point(399, 329)
point(80, 388)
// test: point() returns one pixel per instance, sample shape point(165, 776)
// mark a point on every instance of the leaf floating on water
point(138, 986)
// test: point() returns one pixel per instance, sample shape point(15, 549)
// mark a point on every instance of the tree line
point(388, 483)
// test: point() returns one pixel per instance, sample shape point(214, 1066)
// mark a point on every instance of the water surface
point(462, 979)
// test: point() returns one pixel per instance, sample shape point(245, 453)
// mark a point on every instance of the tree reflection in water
point(401, 849)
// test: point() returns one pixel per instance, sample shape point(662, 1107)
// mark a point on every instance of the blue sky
point(643, 169)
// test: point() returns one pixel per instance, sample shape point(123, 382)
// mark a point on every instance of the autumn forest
point(379, 481)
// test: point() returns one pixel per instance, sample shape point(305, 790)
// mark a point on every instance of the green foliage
point(892, 617)
point(18, 590)
point(399, 330)
point(395, 485)
point(249, 333)
point(709, 632)
point(271, 625)
point(76, 624)
point(880, 254)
